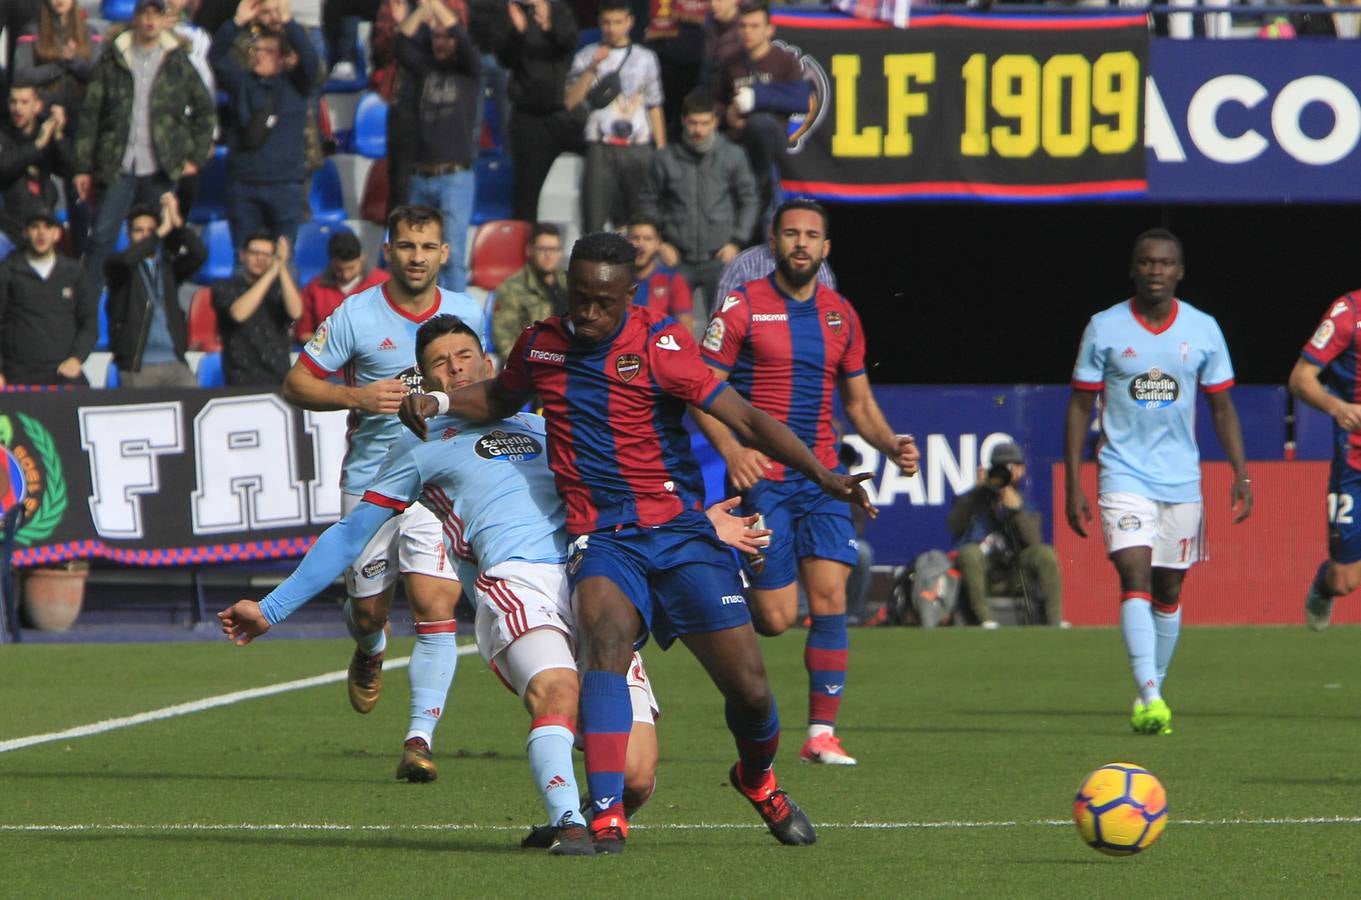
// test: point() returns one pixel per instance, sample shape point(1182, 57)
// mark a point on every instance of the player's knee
point(369, 615)
point(553, 692)
point(768, 624)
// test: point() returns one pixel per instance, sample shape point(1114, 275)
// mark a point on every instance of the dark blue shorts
point(1344, 514)
point(805, 521)
point(680, 576)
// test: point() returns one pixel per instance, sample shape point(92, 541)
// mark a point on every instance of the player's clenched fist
point(383, 396)
point(907, 454)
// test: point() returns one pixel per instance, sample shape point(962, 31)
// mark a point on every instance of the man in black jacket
point(49, 313)
point(147, 331)
point(538, 53)
point(33, 148)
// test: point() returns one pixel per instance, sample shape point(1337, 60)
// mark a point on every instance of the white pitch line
point(701, 826)
point(184, 709)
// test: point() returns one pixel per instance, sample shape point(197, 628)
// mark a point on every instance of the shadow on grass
point(231, 777)
point(436, 842)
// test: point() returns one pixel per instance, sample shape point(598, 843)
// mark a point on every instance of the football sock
point(757, 740)
point(606, 719)
point(824, 656)
point(1321, 585)
point(433, 661)
point(373, 642)
point(1136, 624)
point(1167, 628)
point(550, 761)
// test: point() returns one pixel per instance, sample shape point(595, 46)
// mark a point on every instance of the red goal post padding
point(1257, 572)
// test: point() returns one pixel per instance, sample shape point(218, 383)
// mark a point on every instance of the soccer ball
point(1120, 809)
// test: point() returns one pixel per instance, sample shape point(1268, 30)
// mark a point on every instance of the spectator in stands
point(146, 121)
point(444, 68)
point(49, 312)
point(757, 262)
point(17, 18)
point(702, 193)
point(675, 32)
point(755, 111)
point(198, 43)
point(721, 40)
point(534, 292)
point(57, 57)
point(346, 273)
point(33, 148)
point(658, 285)
point(147, 330)
point(538, 51)
point(267, 165)
point(1000, 545)
point(621, 83)
point(256, 309)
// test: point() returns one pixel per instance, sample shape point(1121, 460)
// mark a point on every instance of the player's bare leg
point(367, 618)
point(734, 663)
point(640, 767)
point(551, 697)
point(1334, 579)
point(825, 655)
point(607, 625)
point(434, 661)
point(774, 610)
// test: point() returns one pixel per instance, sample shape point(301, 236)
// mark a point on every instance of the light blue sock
point(433, 661)
point(373, 642)
point(1168, 628)
point(1136, 624)
point(550, 762)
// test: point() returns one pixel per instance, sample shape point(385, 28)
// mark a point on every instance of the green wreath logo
point(53, 505)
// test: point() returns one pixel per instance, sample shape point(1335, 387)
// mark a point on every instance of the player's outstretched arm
point(1230, 433)
point(304, 389)
point(484, 401)
point(1305, 385)
point(868, 421)
point(1075, 422)
point(334, 550)
point(737, 530)
point(765, 433)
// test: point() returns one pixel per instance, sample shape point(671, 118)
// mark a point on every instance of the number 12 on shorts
point(1340, 509)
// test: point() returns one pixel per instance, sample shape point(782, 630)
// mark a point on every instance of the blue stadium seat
point(211, 202)
point(310, 255)
point(210, 372)
point(111, 379)
point(371, 126)
point(117, 10)
point(122, 243)
point(493, 189)
point(327, 199)
point(102, 343)
point(221, 257)
point(6, 245)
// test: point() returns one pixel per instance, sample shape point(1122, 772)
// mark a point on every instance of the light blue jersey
point(369, 338)
point(1148, 381)
point(489, 484)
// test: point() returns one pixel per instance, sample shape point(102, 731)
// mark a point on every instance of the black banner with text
point(958, 106)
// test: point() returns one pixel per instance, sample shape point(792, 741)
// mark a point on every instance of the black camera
point(999, 475)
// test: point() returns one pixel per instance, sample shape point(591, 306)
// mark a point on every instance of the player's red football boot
point(781, 814)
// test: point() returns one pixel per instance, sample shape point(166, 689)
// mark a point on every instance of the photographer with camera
point(999, 543)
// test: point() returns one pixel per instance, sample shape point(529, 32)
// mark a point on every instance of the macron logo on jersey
point(729, 302)
point(546, 356)
point(770, 317)
point(387, 344)
point(668, 342)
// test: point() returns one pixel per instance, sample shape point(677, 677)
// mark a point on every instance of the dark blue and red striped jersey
point(616, 443)
point(785, 356)
point(1333, 348)
point(665, 291)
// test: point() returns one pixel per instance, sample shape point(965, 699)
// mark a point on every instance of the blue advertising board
point(1253, 120)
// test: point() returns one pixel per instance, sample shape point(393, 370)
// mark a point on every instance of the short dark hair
point(415, 215)
point(807, 203)
point(697, 103)
point(344, 246)
point(138, 210)
point(615, 6)
point(438, 327)
point(1159, 234)
point(640, 221)
point(747, 7)
point(609, 247)
point(25, 81)
point(542, 228)
point(260, 235)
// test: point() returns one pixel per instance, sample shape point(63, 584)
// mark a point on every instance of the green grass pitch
point(970, 743)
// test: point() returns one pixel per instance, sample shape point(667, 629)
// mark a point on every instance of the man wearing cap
point(147, 120)
point(49, 316)
point(999, 542)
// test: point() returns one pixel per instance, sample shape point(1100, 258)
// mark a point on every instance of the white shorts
point(1173, 530)
point(645, 708)
point(411, 542)
point(513, 599)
